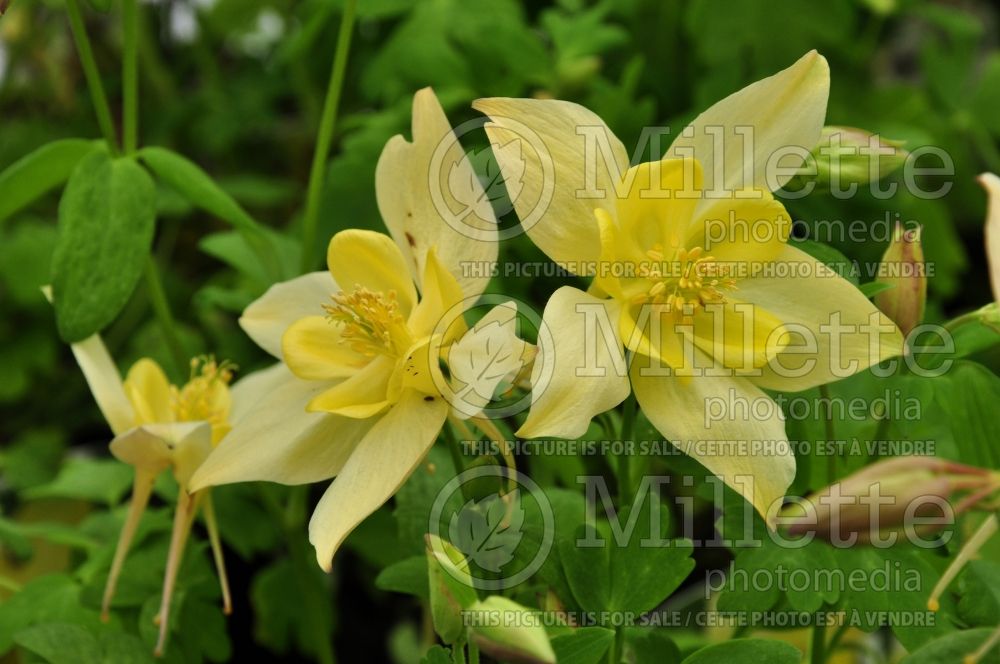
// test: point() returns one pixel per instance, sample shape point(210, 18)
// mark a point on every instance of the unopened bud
point(507, 631)
point(450, 587)
point(880, 498)
point(903, 270)
point(991, 183)
point(849, 156)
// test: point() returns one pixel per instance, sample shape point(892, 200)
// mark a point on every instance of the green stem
point(86, 53)
point(458, 653)
point(158, 298)
point(304, 562)
point(130, 76)
point(831, 459)
point(837, 636)
point(456, 452)
point(624, 459)
point(473, 653)
point(817, 653)
point(326, 124)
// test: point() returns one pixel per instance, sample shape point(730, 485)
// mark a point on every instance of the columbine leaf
point(38, 172)
point(484, 531)
point(194, 184)
point(106, 220)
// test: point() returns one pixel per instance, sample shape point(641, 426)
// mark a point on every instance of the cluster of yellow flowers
point(359, 392)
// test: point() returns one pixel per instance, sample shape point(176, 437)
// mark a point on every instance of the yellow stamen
point(372, 323)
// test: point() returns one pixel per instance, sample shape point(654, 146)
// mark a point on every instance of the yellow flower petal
point(362, 395)
point(555, 198)
point(267, 318)
point(689, 412)
point(379, 465)
point(314, 349)
point(371, 260)
point(991, 183)
point(738, 335)
point(814, 303)
point(440, 297)
point(455, 216)
point(143, 448)
point(745, 233)
point(105, 383)
point(568, 386)
point(786, 109)
point(276, 439)
point(659, 205)
point(148, 390)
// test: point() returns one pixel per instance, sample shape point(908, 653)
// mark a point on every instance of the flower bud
point(507, 631)
point(991, 183)
point(884, 496)
point(451, 588)
point(848, 156)
point(903, 270)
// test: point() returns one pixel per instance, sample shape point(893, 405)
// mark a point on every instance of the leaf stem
point(456, 453)
point(831, 459)
point(94, 85)
point(473, 652)
point(817, 652)
point(624, 461)
point(317, 173)
point(158, 298)
point(130, 76)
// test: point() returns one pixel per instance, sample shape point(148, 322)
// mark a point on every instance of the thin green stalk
point(97, 96)
point(158, 298)
point(328, 120)
point(458, 653)
point(456, 452)
point(624, 459)
point(130, 76)
point(831, 459)
point(817, 651)
point(473, 652)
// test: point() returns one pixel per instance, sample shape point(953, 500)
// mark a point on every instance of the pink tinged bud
point(888, 495)
point(903, 270)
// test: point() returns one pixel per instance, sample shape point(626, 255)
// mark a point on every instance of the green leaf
point(28, 178)
point(96, 480)
point(437, 655)
point(953, 648)
point(407, 576)
point(281, 610)
point(585, 645)
point(49, 598)
point(189, 180)
point(980, 603)
point(746, 651)
point(61, 643)
point(829, 256)
point(106, 221)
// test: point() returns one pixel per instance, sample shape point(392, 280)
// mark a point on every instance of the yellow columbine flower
point(159, 426)
point(359, 394)
point(685, 247)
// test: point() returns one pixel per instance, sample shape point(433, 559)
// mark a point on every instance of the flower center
point(372, 323)
point(205, 395)
point(690, 278)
